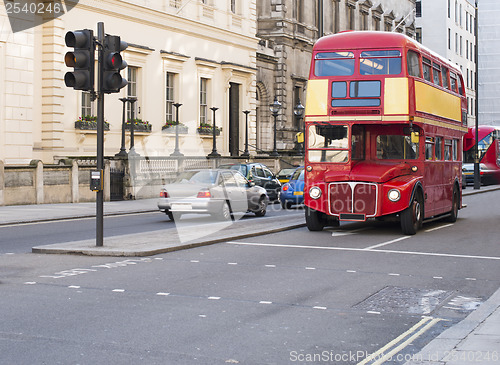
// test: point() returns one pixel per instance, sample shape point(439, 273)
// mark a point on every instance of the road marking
point(30, 283)
point(213, 298)
point(195, 261)
point(270, 265)
point(387, 243)
point(74, 287)
point(363, 250)
point(118, 290)
point(339, 232)
point(163, 294)
point(471, 279)
point(436, 228)
point(232, 263)
point(372, 312)
point(317, 307)
point(310, 268)
point(393, 274)
point(265, 302)
point(437, 277)
point(380, 356)
point(351, 271)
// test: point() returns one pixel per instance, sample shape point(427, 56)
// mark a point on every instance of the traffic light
point(113, 62)
point(81, 59)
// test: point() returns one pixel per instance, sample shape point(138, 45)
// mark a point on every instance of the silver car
point(220, 193)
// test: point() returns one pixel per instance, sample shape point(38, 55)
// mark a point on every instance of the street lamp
point(131, 150)
point(123, 152)
point(275, 109)
point(299, 113)
point(176, 149)
point(246, 153)
point(214, 152)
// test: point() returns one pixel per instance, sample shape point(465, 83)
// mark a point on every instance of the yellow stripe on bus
point(431, 100)
point(317, 97)
point(396, 96)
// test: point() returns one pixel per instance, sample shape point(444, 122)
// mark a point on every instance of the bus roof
point(374, 39)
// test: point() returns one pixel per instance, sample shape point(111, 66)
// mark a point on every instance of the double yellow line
point(399, 343)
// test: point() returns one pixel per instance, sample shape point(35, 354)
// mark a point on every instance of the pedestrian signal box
point(96, 181)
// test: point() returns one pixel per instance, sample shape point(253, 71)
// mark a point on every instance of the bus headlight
point(394, 195)
point(315, 192)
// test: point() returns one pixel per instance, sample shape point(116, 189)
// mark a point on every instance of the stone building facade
point(200, 53)
point(287, 30)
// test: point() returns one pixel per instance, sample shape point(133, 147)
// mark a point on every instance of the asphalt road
point(292, 297)
point(20, 238)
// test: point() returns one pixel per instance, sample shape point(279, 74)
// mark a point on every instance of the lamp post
point(123, 152)
point(477, 170)
point(214, 152)
point(131, 150)
point(299, 112)
point(176, 149)
point(246, 153)
point(275, 108)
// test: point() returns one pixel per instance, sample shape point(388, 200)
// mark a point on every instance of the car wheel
point(315, 220)
point(454, 206)
point(412, 217)
point(262, 209)
point(225, 212)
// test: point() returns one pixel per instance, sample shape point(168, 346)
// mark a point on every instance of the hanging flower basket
point(89, 123)
point(139, 125)
point(206, 129)
point(169, 127)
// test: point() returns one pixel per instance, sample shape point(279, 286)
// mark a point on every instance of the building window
point(203, 101)
point(418, 34)
point(376, 23)
point(364, 21)
point(418, 8)
point(132, 90)
point(460, 14)
point(456, 43)
point(461, 46)
point(456, 12)
point(449, 38)
point(351, 10)
point(87, 104)
point(169, 96)
point(449, 9)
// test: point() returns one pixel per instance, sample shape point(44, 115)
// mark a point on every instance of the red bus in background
point(489, 154)
point(384, 120)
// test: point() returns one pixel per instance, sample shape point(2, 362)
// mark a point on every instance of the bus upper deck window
point(334, 64)
point(444, 76)
point(453, 82)
point(413, 64)
point(380, 63)
point(436, 74)
point(426, 67)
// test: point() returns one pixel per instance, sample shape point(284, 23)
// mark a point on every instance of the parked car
point(259, 174)
point(283, 175)
point(220, 193)
point(292, 192)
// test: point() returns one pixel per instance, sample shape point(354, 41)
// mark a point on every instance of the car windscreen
point(240, 168)
point(197, 177)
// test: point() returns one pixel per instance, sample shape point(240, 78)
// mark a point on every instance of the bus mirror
point(415, 137)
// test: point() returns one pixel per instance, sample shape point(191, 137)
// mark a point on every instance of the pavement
point(476, 339)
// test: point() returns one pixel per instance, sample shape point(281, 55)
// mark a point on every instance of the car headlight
point(394, 195)
point(315, 192)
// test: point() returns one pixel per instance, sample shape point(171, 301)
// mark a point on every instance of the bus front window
point(328, 143)
point(396, 147)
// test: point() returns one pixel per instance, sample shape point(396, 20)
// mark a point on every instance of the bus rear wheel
point(315, 220)
point(412, 217)
point(454, 206)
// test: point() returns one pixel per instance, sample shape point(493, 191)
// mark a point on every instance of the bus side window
point(438, 148)
point(444, 74)
point(447, 149)
point(429, 148)
point(455, 150)
point(453, 82)
point(426, 67)
point(436, 73)
point(460, 86)
point(413, 64)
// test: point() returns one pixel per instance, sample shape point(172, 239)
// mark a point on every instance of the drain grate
point(394, 299)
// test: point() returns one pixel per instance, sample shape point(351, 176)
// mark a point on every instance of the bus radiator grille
point(353, 198)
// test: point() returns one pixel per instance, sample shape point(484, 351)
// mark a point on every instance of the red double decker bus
point(488, 154)
point(384, 121)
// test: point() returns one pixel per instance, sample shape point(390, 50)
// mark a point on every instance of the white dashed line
point(471, 279)
point(393, 274)
point(265, 302)
point(213, 298)
point(436, 228)
point(195, 261)
point(351, 271)
point(310, 268)
point(232, 263)
point(317, 307)
point(162, 294)
point(270, 265)
point(118, 290)
point(437, 277)
point(372, 312)
point(30, 283)
point(74, 287)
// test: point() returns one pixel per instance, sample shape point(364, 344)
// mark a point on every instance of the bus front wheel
point(315, 220)
point(412, 217)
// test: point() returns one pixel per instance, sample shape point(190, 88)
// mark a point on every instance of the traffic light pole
point(100, 137)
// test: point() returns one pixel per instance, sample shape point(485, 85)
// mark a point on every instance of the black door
point(234, 119)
